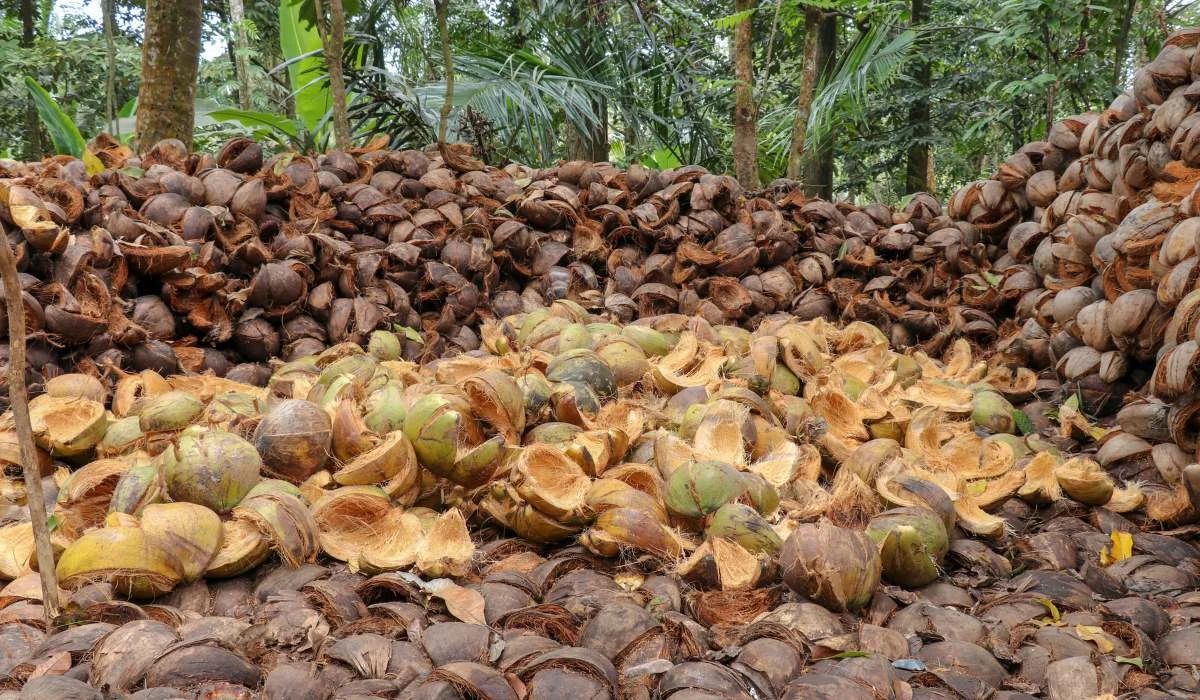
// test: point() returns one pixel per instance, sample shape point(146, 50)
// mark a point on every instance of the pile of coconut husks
point(666, 508)
point(389, 423)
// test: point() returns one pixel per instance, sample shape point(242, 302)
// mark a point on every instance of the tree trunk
point(745, 117)
point(808, 89)
point(916, 177)
point(589, 142)
point(241, 49)
point(439, 7)
point(818, 171)
point(170, 58)
point(18, 400)
point(1123, 45)
point(110, 67)
point(33, 127)
point(337, 81)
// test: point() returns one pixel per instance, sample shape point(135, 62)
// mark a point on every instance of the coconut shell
point(293, 439)
point(836, 567)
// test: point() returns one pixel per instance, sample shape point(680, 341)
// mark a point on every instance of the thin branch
point(18, 399)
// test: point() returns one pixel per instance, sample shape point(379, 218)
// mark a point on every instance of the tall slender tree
point(917, 176)
point(170, 60)
point(808, 89)
point(241, 51)
point(745, 114)
point(110, 66)
point(33, 129)
point(333, 41)
point(818, 171)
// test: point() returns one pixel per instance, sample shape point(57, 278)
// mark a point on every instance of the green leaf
point(256, 120)
point(301, 47)
point(1131, 660)
point(851, 655)
point(411, 333)
point(730, 21)
point(63, 132)
point(1021, 420)
point(53, 521)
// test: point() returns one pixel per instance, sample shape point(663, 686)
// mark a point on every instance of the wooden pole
point(18, 399)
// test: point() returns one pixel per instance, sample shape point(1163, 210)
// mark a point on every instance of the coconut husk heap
point(184, 262)
point(1099, 225)
point(580, 506)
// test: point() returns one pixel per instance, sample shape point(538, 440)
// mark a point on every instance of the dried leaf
point(1089, 633)
point(1120, 550)
point(1055, 615)
point(463, 603)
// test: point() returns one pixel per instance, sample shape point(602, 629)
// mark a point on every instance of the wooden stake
point(18, 399)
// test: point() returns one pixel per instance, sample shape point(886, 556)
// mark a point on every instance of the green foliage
point(301, 46)
point(63, 133)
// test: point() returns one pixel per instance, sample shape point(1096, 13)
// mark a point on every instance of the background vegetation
point(899, 96)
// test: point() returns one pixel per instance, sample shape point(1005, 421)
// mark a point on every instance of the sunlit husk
point(135, 563)
point(67, 426)
point(242, 548)
point(626, 530)
point(190, 532)
point(286, 522)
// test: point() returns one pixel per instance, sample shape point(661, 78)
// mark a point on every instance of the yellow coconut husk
point(399, 546)
point(190, 532)
point(132, 389)
point(721, 563)
point(624, 416)
point(596, 450)
point(350, 520)
point(84, 498)
point(1085, 481)
point(393, 456)
point(670, 453)
point(788, 463)
point(1128, 498)
point(447, 548)
point(496, 398)
point(27, 587)
point(242, 548)
point(135, 563)
point(350, 436)
point(506, 507)
point(841, 414)
point(286, 523)
point(719, 435)
point(803, 349)
point(313, 488)
point(10, 455)
point(206, 387)
point(807, 501)
point(737, 569)
point(852, 501)
point(642, 477)
point(689, 364)
point(1012, 382)
point(1041, 484)
point(992, 492)
point(67, 426)
point(16, 551)
point(975, 520)
point(549, 481)
point(626, 530)
point(606, 494)
point(76, 385)
point(941, 394)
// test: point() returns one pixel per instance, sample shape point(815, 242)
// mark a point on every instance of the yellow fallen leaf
point(93, 164)
point(1120, 549)
point(629, 581)
point(1089, 633)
